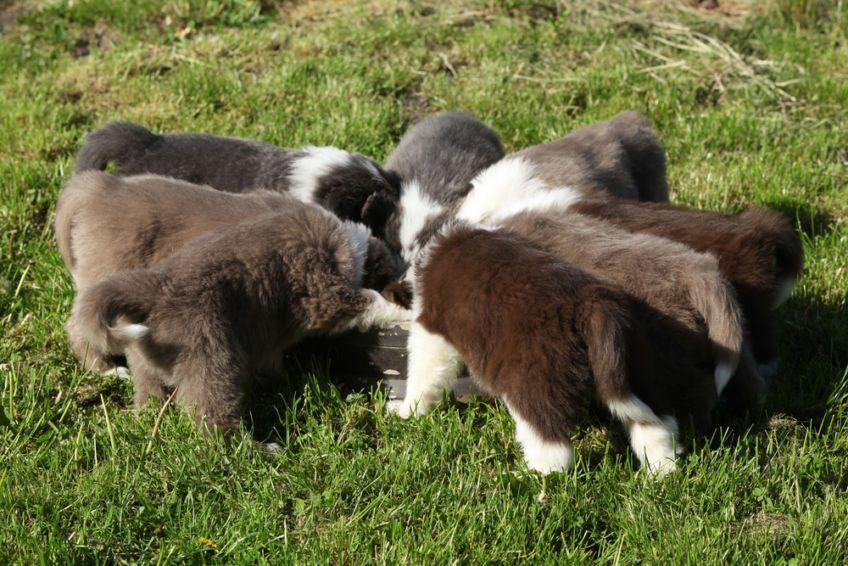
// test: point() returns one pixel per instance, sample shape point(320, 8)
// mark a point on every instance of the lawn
point(751, 102)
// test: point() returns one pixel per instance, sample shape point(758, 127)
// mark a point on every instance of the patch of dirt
point(774, 525)
point(101, 36)
point(783, 421)
point(10, 13)
point(415, 104)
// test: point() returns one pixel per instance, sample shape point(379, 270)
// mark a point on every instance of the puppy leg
point(762, 323)
point(212, 382)
point(746, 390)
point(147, 380)
point(541, 454)
point(89, 358)
point(433, 368)
point(653, 439)
point(379, 313)
point(655, 444)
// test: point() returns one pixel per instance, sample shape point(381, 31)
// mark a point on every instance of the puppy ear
point(376, 211)
point(393, 179)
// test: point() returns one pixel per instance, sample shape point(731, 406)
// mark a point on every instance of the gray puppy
point(226, 306)
point(621, 155)
point(436, 161)
point(349, 184)
point(107, 224)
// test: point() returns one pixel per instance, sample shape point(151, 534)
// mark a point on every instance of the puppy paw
point(409, 408)
point(119, 371)
point(661, 468)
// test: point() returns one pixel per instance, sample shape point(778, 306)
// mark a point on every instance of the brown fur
point(227, 305)
point(533, 330)
point(755, 249)
point(686, 307)
point(107, 224)
point(621, 156)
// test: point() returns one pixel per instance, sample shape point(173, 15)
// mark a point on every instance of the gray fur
point(107, 224)
point(357, 190)
point(442, 154)
point(621, 155)
point(227, 305)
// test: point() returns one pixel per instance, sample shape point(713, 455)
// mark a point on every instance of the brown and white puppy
point(436, 161)
point(544, 336)
point(350, 185)
point(621, 156)
point(695, 315)
point(758, 251)
point(107, 224)
point(227, 305)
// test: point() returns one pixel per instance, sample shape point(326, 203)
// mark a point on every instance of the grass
point(751, 101)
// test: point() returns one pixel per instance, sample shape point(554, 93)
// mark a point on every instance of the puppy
point(542, 335)
point(436, 161)
point(621, 156)
point(350, 185)
point(227, 305)
point(696, 317)
point(758, 251)
point(107, 224)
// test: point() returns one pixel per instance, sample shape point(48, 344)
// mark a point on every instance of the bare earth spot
point(774, 525)
point(783, 421)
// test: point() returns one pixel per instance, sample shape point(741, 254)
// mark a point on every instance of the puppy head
point(382, 266)
point(358, 189)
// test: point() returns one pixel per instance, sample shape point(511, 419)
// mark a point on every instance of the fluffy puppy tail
point(771, 230)
point(119, 141)
point(611, 334)
point(111, 313)
point(645, 154)
point(713, 298)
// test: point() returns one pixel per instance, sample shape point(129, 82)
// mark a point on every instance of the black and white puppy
point(350, 185)
point(436, 161)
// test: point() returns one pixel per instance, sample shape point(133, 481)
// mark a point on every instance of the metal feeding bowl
point(361, 361)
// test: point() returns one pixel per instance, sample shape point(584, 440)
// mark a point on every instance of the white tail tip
point(131, 332)
point(723, 373)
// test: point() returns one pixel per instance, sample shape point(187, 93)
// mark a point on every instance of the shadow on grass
point(811, 220)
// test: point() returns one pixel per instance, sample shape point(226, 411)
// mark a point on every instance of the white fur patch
point(130, 332)
point(118, 371)
point(358, 235)
point(381, 313)
point(539, 454)
point(784, 291)
point(633, 409)
point(307, 170)
point(655, 445)
point(433, 367)
point(510, 187)
point(723, 373)
point(417, 209)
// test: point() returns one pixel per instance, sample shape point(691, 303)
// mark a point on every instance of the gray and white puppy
point(350, 185)
point(622, 156)
point(436, 161)
point(227, 305)
point(107, 224)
